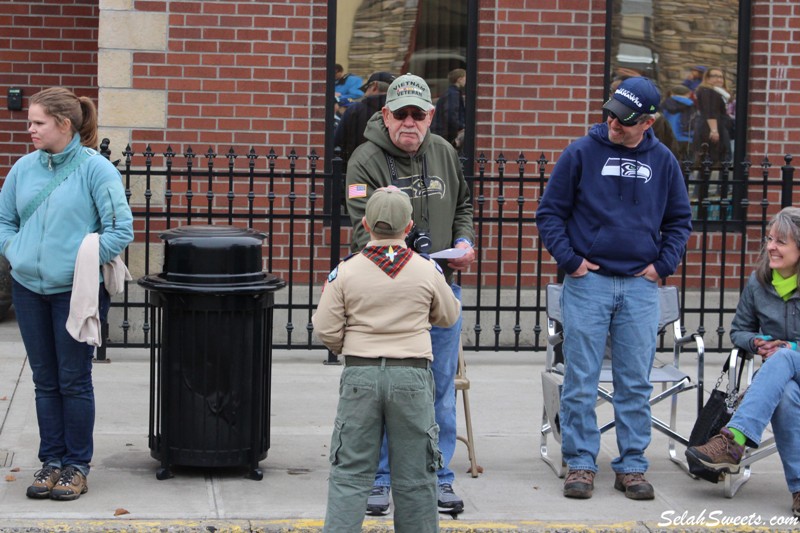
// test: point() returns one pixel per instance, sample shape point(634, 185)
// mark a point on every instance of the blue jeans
point(775, 395)
point(626, 310)
point(446, 343)
point(62, 376)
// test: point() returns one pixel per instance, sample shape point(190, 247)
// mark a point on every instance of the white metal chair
point(733, 482)
point(672, 378)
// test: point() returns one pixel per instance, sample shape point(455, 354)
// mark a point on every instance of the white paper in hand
point(449, 253)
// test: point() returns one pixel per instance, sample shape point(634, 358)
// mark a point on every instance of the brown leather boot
point(579, 484)
point(635, 486)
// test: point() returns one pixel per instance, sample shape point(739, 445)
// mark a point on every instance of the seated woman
point(767, 323)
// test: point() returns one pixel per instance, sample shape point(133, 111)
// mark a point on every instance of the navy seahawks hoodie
point(620, 208)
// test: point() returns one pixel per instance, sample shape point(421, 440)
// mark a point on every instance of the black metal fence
point(299, 207)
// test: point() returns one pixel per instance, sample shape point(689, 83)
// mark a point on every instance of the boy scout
point(376, 309)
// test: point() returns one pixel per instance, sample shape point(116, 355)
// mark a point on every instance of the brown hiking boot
point(43, 482)
point(720, 454)
point(635, 486)
point(70, 485)
point(796, 504)
point(579, 484)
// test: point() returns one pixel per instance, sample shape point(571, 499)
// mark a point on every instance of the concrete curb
point(315, 526)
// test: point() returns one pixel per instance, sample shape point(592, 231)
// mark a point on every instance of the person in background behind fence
point(714, 126)
point(347, 87)
point(350, 132)
point(451, 110)
point(400, 150)
point(616, 218)
point(51, 199)
point(679, 110)
point(767, 323)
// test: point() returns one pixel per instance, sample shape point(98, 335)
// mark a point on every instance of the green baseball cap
point(388, 211)
point(409, 90)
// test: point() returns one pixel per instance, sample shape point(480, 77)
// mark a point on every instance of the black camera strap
point(396, 183)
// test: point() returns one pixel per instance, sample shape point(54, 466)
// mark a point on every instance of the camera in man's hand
point(419, 240)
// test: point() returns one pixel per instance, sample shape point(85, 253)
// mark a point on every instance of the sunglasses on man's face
point(416, 113)
point(627, 123)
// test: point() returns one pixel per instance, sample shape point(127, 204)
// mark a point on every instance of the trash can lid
point(217, 255)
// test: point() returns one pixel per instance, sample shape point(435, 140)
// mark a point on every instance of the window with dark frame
point(674, 43)
point(428, 38)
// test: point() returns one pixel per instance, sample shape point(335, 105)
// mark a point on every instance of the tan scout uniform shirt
point(365, 312)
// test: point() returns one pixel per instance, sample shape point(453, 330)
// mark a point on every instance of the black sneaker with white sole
point(449, 502)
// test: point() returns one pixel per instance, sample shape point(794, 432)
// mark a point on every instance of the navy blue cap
point(634, 97)
point(386, 77)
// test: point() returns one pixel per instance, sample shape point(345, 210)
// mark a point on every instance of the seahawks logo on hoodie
point(414, 187)
point(627, 168)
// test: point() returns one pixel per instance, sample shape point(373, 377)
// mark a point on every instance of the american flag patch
point(357, 190)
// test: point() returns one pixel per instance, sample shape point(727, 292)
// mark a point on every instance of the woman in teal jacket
point(51, 199)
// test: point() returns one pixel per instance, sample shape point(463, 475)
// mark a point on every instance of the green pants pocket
point(336, 442)
point(434, 454)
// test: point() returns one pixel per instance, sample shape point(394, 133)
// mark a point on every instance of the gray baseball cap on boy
point(391, 207)
point(409, 90)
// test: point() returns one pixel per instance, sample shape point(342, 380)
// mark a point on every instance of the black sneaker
point(378, 501)
point(70, 485)
point(43, 482)
point(449, 502)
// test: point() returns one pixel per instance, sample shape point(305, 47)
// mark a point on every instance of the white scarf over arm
point(83, 323)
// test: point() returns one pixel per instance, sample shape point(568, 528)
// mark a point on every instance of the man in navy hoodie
point(616, 218)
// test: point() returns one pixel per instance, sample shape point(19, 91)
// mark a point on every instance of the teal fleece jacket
point(90, 200)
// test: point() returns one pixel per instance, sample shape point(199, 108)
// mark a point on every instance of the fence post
point(100, 351)
point(337, 185)
point(787, 174)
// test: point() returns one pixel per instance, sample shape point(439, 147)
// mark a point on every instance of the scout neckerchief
point(391, 259)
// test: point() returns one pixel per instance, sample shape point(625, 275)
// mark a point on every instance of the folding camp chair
point(670, 376)
point(462, 386)
point(733, 482)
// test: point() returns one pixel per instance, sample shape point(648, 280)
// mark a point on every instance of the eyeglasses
point(777, 242)
point(628, 123)
point(716, 76)
point(416, 113)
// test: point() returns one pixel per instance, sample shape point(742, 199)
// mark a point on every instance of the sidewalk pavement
point(517, 491)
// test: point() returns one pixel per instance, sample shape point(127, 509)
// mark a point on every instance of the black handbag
point(714, 415)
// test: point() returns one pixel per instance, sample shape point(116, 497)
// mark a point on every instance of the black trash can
point(211, 350)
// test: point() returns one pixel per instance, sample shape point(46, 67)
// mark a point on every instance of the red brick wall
point(774, 126)
point(239, 74)
point(540, 74)
point(43, 44)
